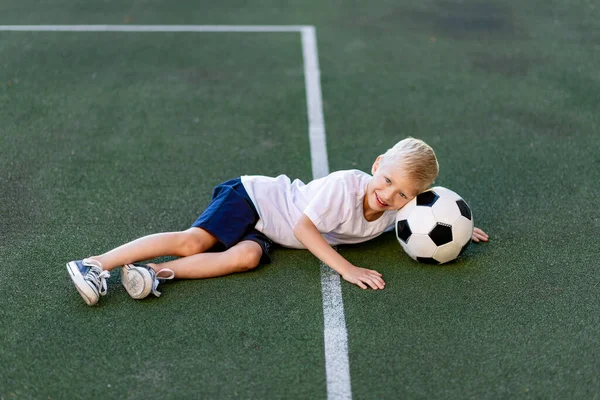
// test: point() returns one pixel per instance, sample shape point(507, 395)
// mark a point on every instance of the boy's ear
point(375, 166)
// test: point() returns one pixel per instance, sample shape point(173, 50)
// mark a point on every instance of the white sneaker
point(140, 280)
point(89, 279)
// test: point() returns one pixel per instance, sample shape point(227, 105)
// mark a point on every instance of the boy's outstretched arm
point(306, 232)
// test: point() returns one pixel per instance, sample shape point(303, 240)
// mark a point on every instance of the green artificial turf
point(106, 137)
point(128, 137)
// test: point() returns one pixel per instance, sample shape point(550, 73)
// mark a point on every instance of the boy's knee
point(194, 241)
point(248, 255)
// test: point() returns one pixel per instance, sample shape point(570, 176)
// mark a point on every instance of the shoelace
point(157, 280)
point(96, 275)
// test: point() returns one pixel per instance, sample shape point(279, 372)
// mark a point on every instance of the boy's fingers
point(479, 235)
point(366, 280)
point(362, 285)
point(376, 283)
point(380, 283)
point(370, 279)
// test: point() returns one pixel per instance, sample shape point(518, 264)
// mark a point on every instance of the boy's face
point(388, 190)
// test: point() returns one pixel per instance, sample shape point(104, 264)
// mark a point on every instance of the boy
point(247, 214)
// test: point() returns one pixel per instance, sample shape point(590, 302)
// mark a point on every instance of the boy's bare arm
point(306, 232)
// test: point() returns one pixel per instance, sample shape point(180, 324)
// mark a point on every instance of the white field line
point(335, 334)
point(337, 367)
point(154, 28)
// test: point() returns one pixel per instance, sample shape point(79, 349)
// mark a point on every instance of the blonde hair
point(416, 159)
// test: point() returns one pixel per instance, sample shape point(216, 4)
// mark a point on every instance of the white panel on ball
point(445, 210)
point(421, 245)
point(421, 220)
point(405, 211)
point(462, 230)
point(447, 252)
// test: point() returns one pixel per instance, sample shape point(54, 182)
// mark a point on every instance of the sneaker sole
point(137, 282)
point(85, 290)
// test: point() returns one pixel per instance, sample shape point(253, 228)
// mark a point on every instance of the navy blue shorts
point(231, 217)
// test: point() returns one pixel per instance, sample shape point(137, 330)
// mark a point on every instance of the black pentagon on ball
point(441, 234)
point(427, 199)
point(464, 208)
point(427, 260)
point(403, 230)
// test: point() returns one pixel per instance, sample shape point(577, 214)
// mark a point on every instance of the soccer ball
point(435, 227)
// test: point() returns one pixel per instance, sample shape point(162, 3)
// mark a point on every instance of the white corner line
point(156, 28)
point(337, 366)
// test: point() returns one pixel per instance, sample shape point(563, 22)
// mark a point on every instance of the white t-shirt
point(333, 203)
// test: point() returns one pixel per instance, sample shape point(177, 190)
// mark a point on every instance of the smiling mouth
point(381, 203)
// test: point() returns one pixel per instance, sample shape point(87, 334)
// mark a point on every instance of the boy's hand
point(306, 232)
point(479, 235)
point(362, 276)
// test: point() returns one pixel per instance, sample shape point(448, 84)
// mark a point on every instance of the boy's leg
point(241, 257)
point(89, 275)
point(180, 244)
